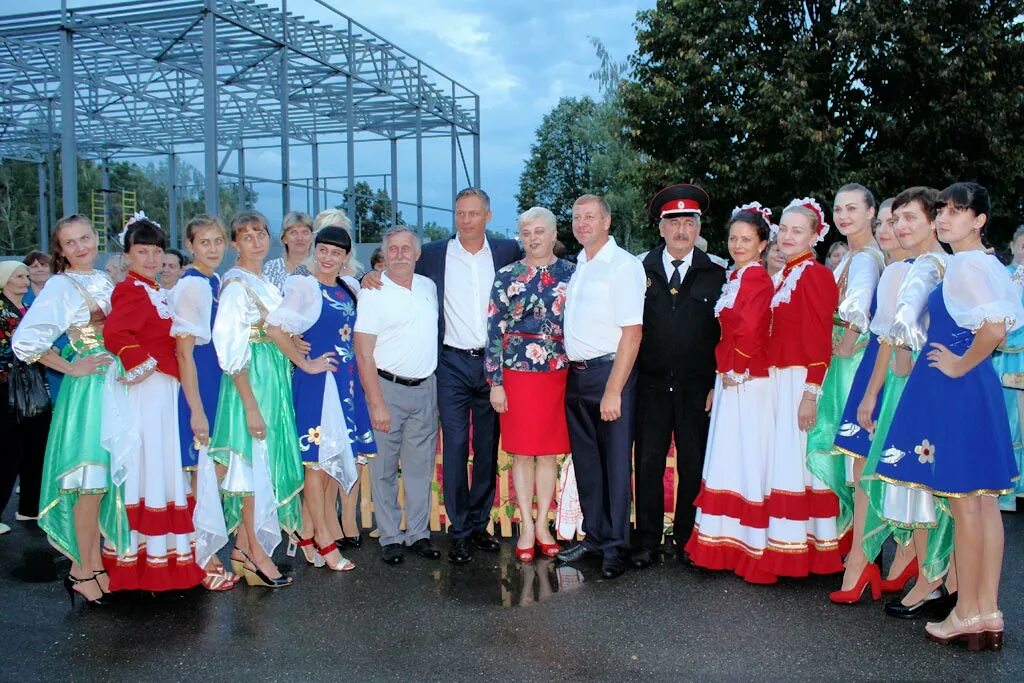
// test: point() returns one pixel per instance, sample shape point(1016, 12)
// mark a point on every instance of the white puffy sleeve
point(300, 308)
point(888, 290)
point(352, 283)
point(910, 323)
point(864, 271)
point(235, 317)
point(978, 290)
point(58, 306)
point(192, 301)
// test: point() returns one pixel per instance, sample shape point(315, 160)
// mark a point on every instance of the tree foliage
point(372, 215)
point(765, 101)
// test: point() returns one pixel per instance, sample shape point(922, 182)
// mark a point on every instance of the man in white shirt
point(604, 312)
point(396, 352)
point(463, 267)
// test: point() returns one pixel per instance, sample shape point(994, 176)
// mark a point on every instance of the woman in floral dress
point(526, 367)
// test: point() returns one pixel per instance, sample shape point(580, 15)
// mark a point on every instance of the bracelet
point(812, 389)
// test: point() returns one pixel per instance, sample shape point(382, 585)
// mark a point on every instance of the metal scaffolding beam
point(159, 77)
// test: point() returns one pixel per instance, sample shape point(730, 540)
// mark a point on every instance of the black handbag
point(27, 392)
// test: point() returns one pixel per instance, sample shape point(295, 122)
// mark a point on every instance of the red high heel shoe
point(524, 554)
point(308, 548)
point(900, 582)
point(549, 549)
point(870, 576)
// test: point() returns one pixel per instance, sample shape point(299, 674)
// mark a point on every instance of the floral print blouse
point(524, 319)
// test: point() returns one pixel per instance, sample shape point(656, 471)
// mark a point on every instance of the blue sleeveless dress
point(950, 436)
point(209, 374)
point(332, 332)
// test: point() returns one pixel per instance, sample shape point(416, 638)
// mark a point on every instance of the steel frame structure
point(167, 77)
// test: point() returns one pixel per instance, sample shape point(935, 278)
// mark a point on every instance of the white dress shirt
point(604, 295)
point(666, 260)
point(468, 279)
point(405, 323)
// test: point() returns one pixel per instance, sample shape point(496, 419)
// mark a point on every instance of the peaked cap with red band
point(679, 200)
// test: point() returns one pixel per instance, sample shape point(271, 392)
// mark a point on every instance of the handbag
point(27, 392)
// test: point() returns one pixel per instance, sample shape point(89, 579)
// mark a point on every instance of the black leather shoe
point(937, 605)
point(683, 558)
point(460, 552)
point(612, 567)
point(484, 541)
point(424, 549)
point(392, 553)
point(643, 558)
point(577, 552)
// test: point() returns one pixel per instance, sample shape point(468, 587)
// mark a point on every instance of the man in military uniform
point(676, 366)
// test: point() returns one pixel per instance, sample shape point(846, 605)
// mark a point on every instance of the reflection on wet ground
point(430, 620)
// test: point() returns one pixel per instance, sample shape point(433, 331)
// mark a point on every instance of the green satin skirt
point(876, 528)
point(823, 460)
point(270, 377)
point(76, 464)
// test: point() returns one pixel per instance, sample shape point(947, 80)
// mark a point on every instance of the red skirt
point(534, 423)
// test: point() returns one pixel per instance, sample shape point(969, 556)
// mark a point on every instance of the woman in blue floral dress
point(527, 368)
point(331, 416)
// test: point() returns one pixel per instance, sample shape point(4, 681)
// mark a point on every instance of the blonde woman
point(297, 238)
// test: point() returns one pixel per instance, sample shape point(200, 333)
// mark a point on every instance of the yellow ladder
point(99, 217)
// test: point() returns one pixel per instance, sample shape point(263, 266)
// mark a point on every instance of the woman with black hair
point(967, 459)
point(730, 531)
point(172, 267)
point(331, 416)
point(140, 426)
point(76, 466)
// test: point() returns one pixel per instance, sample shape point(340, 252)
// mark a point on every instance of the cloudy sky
point(520, 56)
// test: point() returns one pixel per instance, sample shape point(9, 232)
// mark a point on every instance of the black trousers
point(464, 398)
point(23, 450)
point(601, 453)
point(662, 414)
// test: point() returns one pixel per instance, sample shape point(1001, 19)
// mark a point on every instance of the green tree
point(770, 100)
point(372, 214)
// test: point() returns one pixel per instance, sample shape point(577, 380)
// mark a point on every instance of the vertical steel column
point(51, 169)
point(242, 199)
point(43, 218)
point(282, 84)
point(107, 208)
point(394, 181)
point(212, 195)
point(68, 142)
point(350, 140)
point(316, 176)
point(172, 199)
point(455, 169)
point(419, 170)
point(476, 143)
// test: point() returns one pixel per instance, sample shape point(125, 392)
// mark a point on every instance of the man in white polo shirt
point(604, 312)
point(396, 352)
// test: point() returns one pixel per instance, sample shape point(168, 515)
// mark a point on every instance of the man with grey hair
point(396, 353)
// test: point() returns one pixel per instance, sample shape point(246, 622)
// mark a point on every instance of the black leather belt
point(606, 359)
point(475, 353)
point(404, 381)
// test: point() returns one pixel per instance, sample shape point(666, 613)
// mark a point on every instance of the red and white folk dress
point(731, 527)
point(140, 428)
point(802, 535)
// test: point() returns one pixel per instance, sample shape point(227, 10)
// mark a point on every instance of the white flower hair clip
point(137, 216)
point(809, 203)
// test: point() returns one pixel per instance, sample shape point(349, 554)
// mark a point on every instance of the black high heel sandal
point(95, 576)
point(69, 585)
point(256, 577)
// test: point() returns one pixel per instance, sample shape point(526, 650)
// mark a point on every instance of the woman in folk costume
point(194, 300)
point(730, 531)
point(949, 436)
point(857, 278)
point(1009, 364)
point(332, 419)
point(254, 432)
point(802, 535)
point(73, 507)
point(902, 324)
point(140, 426)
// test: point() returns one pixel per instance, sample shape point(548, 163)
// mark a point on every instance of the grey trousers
point(412, 441)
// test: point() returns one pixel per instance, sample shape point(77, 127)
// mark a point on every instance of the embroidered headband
point(137, 216)
point(765, 213)
point(809, 203)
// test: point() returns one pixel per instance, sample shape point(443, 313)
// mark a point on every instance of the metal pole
point(51, 170)
point(285, 162)
point(105, 186)
point(316, 176)
point(476, 144)
point(350, 132)
point(455, 169)
point(212, 199)
point(68, 143)
point(43, 222)
point(172, 198)
point(394, 181)
point(241, 179)
point(419, 170)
